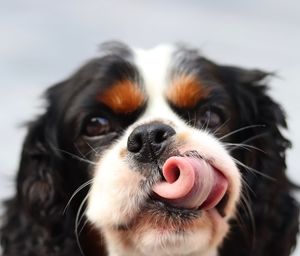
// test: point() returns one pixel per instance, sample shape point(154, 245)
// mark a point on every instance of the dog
point(154, 152)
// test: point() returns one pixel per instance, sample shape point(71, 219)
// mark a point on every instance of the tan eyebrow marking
point(186, 91)
point(122, 97)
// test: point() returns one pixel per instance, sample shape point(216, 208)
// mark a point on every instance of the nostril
point(160, 136)
point(135, 143)
point(161, 133)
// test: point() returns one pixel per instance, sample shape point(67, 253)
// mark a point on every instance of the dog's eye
point(97, 126)
point(209, 119)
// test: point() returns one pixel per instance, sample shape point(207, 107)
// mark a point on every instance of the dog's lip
point(154, 202)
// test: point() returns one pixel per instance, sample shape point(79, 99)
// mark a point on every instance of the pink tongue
point(191, 183)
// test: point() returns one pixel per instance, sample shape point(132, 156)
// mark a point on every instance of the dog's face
point(136, 155)
point(163, 182)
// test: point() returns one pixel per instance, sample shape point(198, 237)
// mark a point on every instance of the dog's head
point(153, 134)
point(165, 183)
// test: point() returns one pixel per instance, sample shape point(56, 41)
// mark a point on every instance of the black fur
point(34, 222)
point(272, 228)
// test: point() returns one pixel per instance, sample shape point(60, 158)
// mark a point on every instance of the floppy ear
point(39, 182)
point(248, 90)
point(257, 109)
point(271, 223)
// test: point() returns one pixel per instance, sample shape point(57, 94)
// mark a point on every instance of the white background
point(43, 42)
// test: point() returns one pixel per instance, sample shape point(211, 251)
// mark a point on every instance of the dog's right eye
point(97, 126)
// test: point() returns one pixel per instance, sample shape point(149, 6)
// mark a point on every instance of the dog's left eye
point(210, 119)
point(97, 126)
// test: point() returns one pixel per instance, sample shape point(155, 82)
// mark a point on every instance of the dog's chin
point(161, 229)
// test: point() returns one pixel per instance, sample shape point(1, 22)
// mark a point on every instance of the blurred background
point(43, 42)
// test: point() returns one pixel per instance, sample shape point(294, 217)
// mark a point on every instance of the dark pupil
point(97, 126)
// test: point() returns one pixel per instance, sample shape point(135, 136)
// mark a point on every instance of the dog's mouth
point(190, 185)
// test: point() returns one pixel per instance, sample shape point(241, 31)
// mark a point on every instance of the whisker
point(77, 223)
point(244, 182)
point(248, 211)
point(220, 127)
point(86, 155)
point(207, 122)
point(84, 159)
point(245, 206)
point(189, 121)
point(195, 119)
point(253, 170)
point(203, 127)
point(241, 129)
point(78, 150)
point(84, 224)
point(82, 186)
point(243, 146)
point(91, 147)
point(257, 136)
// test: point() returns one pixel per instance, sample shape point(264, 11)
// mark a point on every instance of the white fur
point(115, 197)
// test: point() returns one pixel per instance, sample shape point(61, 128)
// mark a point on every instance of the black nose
point(148, 141)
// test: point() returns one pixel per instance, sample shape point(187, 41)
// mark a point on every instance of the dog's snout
point(148, 141)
